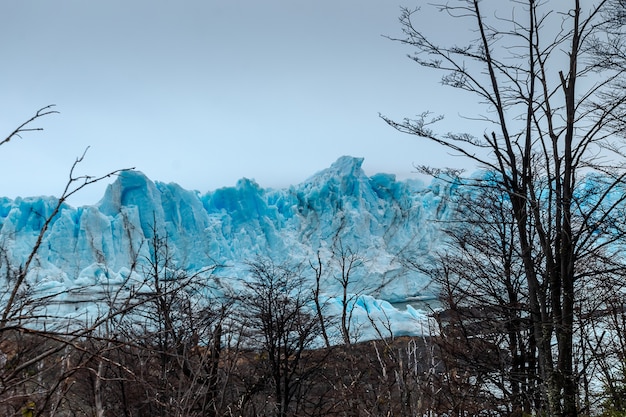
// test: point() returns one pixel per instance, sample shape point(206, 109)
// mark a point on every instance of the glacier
point(383, 220)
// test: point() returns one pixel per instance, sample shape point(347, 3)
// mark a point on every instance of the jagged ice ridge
point(380, 218)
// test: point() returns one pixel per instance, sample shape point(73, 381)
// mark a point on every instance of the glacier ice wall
point(380, 218)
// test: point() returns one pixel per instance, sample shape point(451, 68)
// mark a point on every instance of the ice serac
point(381, 219)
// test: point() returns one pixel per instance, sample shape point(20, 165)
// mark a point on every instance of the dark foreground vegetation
point(218, 362)
point(400, 377)
point(91, 378)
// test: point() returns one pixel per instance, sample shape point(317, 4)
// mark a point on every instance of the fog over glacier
point(89, 250)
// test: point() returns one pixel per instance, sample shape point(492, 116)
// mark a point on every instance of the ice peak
point(343, 176)
point(131, 188)
point(347, 165)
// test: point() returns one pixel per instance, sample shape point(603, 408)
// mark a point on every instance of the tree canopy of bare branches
point(551, 78)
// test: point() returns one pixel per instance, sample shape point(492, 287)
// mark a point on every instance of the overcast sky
point(204, 92)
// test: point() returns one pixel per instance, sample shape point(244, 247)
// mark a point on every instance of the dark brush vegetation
point(399, 377)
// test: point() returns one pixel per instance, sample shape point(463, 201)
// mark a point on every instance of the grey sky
point(204, 92)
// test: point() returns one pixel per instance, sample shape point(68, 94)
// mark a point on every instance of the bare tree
point(74, 184)
point(169, 343)
point(282, 325)
point(40, 370)
point(347, 261)
point(484, 327)
point(552, 80)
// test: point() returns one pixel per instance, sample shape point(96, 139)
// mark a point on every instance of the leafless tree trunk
point(347, 260)
point(317, 268)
